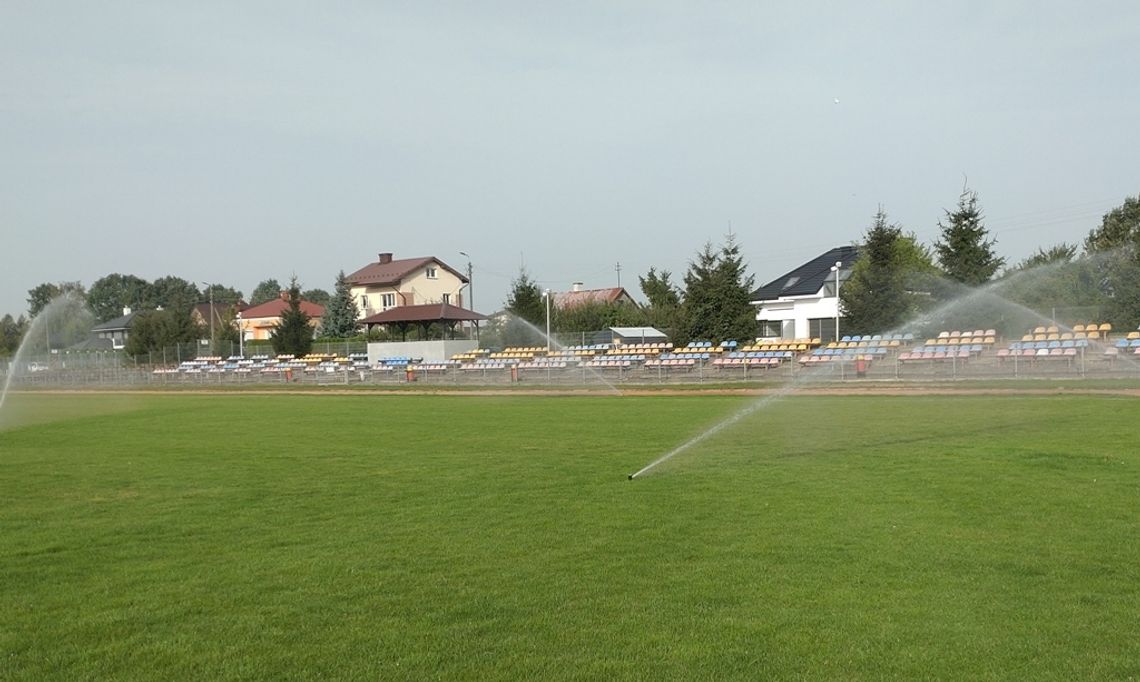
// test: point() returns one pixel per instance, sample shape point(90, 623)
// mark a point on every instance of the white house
point(803, 303)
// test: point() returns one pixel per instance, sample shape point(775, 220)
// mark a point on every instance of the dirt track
point(860, 390)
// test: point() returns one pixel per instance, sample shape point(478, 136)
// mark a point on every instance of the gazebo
point(423, 315)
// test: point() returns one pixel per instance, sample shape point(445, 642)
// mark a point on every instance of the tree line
point(894, 279)
point(165, 311)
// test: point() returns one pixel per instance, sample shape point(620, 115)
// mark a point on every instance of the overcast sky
point(238, 141)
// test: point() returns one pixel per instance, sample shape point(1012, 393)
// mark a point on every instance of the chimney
point(284, 295)
point(126, 311)
point(385, 258)
point(576, 286)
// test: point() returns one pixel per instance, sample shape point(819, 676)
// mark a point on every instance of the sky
point(237, 142)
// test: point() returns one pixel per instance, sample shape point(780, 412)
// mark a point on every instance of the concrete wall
point(430, 351)
point(799, 310)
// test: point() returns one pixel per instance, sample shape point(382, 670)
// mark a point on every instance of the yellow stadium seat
point(1105, 327)
point(1078, 327)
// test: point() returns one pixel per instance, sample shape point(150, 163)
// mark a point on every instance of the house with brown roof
point(257, 322)
point(577, 296)
point(390, 283)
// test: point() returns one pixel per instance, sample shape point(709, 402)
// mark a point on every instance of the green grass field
point(462, 537)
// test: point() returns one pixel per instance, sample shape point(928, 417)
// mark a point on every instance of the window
point(822, 328)
point(432, 273)
point(770, 329)
point(364, 303)
point(447, 298)
point(388, 301)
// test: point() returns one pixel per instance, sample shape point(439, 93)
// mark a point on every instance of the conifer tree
point(527, 306)
point(718, 293)
point(700, 305)
point(736, 317)
point(964, 253)
point(525, 300)
point(880, 293)
point(340, 320)
point(664, 299)
point(293, 334)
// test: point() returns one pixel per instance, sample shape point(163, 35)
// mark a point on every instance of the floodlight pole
point(835, 268)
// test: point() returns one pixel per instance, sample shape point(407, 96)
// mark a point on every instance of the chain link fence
point(114, 369)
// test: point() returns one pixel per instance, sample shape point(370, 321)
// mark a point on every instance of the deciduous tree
point(170, 291)
point(40, 296)
point(109, 295)
point(1115, 248)
point(266, 290)
point(318, 296)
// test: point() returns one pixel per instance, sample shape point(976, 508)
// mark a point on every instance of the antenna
point(617, 268)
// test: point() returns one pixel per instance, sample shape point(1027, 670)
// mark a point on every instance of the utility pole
point(471, 290)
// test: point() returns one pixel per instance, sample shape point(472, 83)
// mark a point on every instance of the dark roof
point(93, 343)
point(117, 324)
point(394, 271)
point(220, 309)
point(426, 312)
point(808, 279)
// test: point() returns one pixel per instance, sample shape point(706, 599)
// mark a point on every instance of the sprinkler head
point(631, 477)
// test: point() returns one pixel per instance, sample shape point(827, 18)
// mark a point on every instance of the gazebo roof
point(427, 312)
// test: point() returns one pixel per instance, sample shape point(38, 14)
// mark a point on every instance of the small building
point(257, 322)
point(804, 303)
point(390, 283)
point(628, 335)
point(115, 332)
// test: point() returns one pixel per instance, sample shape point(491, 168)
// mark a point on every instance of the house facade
point(115, 331)
point(256, 323)
point(390, 283)
point(804, 303)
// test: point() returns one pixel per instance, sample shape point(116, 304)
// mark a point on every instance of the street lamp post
point(835, 268)
point(241, 336)
point(547, 295)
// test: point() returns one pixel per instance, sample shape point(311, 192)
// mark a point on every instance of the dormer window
point(432, 273)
